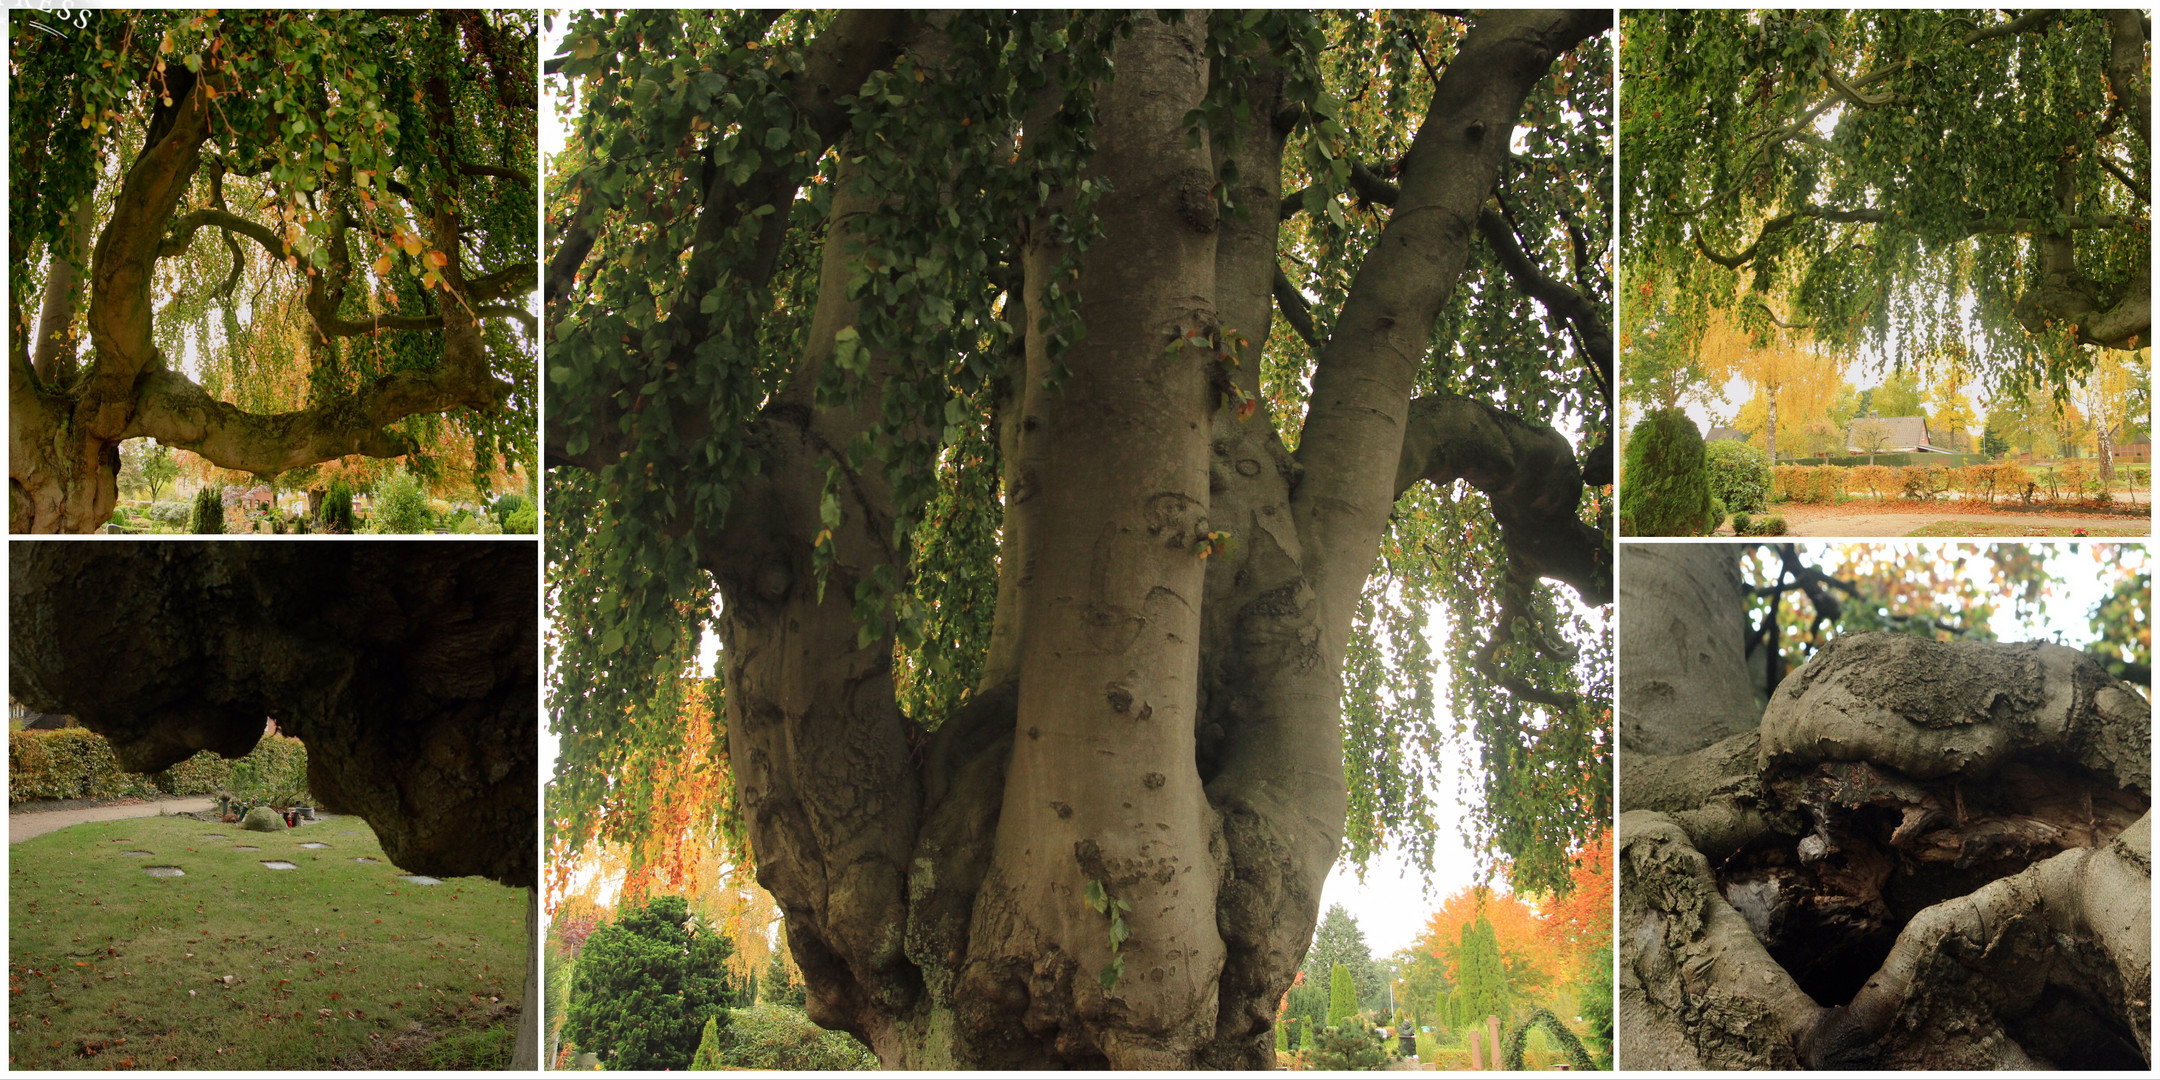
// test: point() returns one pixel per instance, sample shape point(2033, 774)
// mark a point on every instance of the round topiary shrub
point(1665, 490)
point(209, 513)
point(1739, 475)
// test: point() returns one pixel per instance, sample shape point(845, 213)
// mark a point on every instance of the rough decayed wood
point(1931, 855)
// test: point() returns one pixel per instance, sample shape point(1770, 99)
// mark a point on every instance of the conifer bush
point(1666, 490)
point(209, 514)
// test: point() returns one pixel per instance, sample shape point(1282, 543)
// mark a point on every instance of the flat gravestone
point(164, 871)
point(364, 858)
point(279, 864)
point(213, 836)
point(245, 847)
point(137, 853)
point(420, 879)
point(313, 844)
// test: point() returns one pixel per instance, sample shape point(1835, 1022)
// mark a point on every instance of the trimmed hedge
point(77, 763)
point(1812, 483)
point(1850, 460)
point(1664, 489)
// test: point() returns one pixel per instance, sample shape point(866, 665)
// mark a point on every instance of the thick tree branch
point(125, 261)
point(1528, 473)
point(502, 171)
point(177, 412)
point(1363, 381)
point(1297, 312)
point(2143, 193)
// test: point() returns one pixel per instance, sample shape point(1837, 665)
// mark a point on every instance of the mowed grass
point(2011, 528)
point(333, 963)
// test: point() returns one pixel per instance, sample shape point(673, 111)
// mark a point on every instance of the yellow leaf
point(165, 46)
point(437, 258)
point(410, 243)
point(382, 266)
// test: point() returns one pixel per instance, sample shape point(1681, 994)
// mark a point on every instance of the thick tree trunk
point(1928, 856)
point(1680, 650)
point(1158, 712)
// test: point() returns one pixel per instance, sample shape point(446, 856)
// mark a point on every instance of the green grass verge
point(2011, 528)
point(336, 962)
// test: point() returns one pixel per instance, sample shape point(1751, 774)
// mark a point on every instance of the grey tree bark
point(409, 669)
point(1927, 855)
point(1156, 724)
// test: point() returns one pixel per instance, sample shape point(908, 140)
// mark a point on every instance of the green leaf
point(1096, 897)
point(1112, 972)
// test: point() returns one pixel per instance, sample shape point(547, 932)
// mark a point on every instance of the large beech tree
point(1078, 419)
point(271, 238)
point(1870, 174)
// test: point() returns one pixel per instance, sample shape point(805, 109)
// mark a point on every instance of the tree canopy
point(1901, 178)
point(832, 301)
point(271, 238)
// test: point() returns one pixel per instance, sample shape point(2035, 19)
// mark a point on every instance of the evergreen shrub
point(1666, 491)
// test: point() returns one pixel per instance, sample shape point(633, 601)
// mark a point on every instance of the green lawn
point(2010, 528)
point(335, 962)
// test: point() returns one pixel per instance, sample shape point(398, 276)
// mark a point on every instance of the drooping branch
point(858, 42)
point(509, 281)
point(1557, 296)
point(1803, 127)
point(1980, 224)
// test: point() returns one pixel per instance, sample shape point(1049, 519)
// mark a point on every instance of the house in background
point(1725, 434)
point(2138, 449)
point(1900, 435)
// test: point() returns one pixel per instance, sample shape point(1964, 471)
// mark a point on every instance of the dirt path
point(1842, 521)
point(24, 824)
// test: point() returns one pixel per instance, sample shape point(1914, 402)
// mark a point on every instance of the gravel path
point(1804, 520)
point(24, 824)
